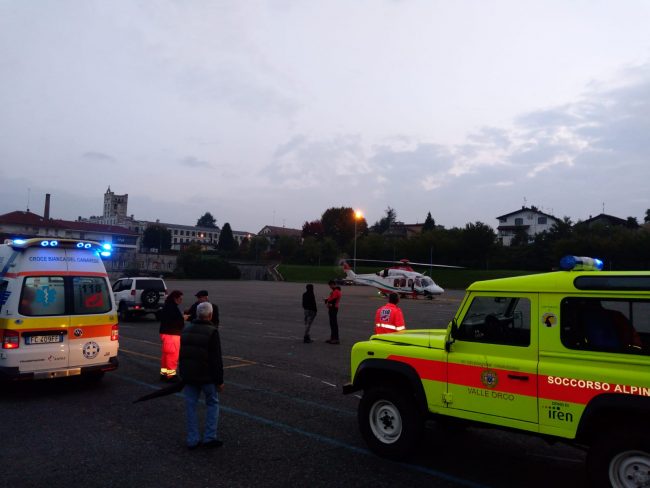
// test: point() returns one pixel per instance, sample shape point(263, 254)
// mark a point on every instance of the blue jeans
point(192, 394)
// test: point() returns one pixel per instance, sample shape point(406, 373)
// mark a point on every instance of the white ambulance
point(57, 313)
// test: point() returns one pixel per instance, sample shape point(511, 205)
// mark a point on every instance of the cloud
point(569, 159)
point(98, 156)
point(192, 162)
point(303, 163)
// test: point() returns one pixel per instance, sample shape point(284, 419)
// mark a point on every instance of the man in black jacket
point(309, 305)
point(201, 368)
point(202, 297)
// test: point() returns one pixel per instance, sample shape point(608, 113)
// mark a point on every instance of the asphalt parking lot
point(284, 420)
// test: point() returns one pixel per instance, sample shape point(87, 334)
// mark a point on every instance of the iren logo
point(555, 413)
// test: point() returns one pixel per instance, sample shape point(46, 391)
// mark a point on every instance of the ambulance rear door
point(92, 314)
point(42, 318)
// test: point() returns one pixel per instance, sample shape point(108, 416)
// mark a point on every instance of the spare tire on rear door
point(150, 297)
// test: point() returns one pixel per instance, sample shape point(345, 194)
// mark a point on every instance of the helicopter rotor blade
point(408, 263)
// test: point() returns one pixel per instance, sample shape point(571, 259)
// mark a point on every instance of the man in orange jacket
point(389, 318)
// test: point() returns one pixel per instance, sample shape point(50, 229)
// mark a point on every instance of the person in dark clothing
point(201, 369)
point(202, 297)
point(309, 306)
point(172, 322)
point(332, 303)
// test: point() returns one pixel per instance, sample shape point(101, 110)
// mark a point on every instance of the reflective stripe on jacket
point(389, 318)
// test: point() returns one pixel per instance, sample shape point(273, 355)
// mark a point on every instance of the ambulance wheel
point(390, 421)
point(620, 459)
point(123, 313)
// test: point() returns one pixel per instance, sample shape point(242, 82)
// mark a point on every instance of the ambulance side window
point(497, 320)
point(594, 324)
point(42, 295)
point(91, 295)
point(4, 295)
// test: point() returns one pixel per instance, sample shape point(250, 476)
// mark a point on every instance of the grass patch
point(447, 278)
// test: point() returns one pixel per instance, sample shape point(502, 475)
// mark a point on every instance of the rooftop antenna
point(28, 195)
point(525, 201)
point(603, 207)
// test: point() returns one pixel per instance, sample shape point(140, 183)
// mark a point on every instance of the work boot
point(307, 340)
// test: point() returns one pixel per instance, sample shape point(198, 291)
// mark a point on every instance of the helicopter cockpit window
point(427, 281)
point(418, 282)
point(497, 320)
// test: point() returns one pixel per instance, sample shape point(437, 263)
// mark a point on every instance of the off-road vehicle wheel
point(149, 297)
point(620, 459)
point(390, 422)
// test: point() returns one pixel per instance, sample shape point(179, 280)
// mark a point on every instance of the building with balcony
point(528, 221)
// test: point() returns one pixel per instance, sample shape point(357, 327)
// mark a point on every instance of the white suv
point(139, 296)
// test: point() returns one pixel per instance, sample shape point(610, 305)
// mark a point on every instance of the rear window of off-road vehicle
point(157, 285)
point(607, 325)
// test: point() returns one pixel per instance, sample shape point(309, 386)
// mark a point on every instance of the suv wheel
point(621, 460)
point(149, 297)
point(390, 422)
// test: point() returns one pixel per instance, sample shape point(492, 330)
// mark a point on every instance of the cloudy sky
point(270, 112)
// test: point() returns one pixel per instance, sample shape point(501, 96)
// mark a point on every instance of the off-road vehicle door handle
point(519, 377)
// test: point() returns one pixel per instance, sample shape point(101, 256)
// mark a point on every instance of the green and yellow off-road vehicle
point(564, 355)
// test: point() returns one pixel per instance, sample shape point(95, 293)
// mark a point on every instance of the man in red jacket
point(332, 303)
point(389, 318)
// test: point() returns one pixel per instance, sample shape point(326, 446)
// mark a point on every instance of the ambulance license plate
point(43, 339)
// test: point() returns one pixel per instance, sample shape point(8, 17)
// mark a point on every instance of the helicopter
point(401, 279)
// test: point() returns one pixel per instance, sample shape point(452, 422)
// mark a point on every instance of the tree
point(429, 223)
point(646, 219)
point(313, 229)
point(227, 242)
point(561, 229)
point(192, 263)
point(383, 224)
point(189, 259)
point(329, 251)
point(206, 220)
point(257, 247)
point(287, 247)
point(478, 241)
point(339, 224)
point(157, 237)
point(632, 223)
point(520, 238)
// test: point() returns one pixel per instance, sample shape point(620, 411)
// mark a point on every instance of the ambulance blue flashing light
point(19, 242)
point(580, 263)
point(105, 254)
point(107, 247)
point(49, 243)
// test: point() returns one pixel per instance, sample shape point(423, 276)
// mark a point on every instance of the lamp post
point(357, 216)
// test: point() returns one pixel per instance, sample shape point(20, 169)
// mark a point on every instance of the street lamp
point(357, 216)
